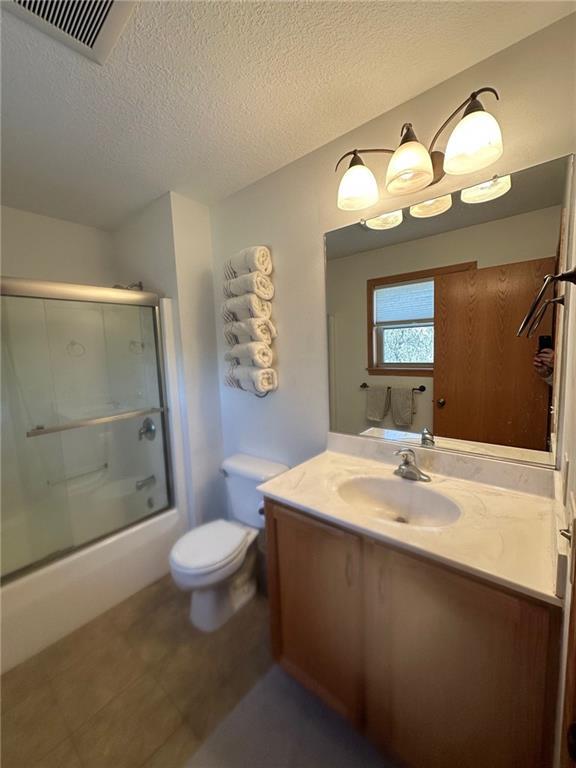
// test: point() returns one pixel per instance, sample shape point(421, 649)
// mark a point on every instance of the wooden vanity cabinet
point(315, 593)
point(440, 669)
point(457, 672)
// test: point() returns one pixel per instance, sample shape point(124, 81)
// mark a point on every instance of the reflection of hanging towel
point(402, 402)
point(377, 403)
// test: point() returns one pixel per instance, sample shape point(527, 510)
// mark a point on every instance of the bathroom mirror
point(423, 314)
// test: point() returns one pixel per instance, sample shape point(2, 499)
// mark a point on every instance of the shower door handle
point(41, 430)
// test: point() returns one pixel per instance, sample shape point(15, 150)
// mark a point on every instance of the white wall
point(144, 248)
point(291, 209)
point(41, 248)
point(167, 245)
point(532, 235)
point(193, 257)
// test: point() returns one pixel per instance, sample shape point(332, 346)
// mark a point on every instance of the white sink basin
point(406, 502)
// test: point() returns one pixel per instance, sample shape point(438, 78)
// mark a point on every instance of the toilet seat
point(211, 552)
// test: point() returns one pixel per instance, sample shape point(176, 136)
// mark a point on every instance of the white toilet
point(217, 561)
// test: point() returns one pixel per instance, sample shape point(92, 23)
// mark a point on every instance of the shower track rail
point(41, 430)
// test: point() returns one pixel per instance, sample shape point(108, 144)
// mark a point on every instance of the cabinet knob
point(441, 402)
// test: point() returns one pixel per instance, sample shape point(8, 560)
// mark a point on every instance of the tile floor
point(138, 687)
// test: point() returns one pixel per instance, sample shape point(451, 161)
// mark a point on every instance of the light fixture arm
point(473, 96)
point(356, 153)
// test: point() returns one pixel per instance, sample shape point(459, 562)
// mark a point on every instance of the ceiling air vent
point(91, 27)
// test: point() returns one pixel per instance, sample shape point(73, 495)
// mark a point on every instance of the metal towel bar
point(421, 388)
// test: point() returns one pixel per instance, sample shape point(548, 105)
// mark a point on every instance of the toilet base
point(210, 608)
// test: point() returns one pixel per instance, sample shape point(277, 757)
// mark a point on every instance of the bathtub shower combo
point(84, 428)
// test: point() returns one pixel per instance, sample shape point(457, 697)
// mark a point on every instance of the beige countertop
point(502, 535)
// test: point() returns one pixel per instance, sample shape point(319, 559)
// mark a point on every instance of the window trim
point(395, 369)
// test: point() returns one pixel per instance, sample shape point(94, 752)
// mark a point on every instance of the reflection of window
point(403, 325)
point(401, 339)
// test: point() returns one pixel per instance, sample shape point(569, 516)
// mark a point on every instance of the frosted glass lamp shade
point(410, 169)
point(475, 143)
point(358, 189)
point(433, 207)
point(385, 220)
point(487, 190)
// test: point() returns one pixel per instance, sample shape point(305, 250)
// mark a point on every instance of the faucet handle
point(407, 454)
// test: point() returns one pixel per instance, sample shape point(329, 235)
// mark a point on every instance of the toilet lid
point(209, 546)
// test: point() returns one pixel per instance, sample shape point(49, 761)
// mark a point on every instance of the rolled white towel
point(246, 306)
point(255, 329)
point(253, 353)
point(258, 380)
point(254, 259)
point(254, 282)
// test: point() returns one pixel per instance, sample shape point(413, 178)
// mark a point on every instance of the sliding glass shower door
point(84, 449)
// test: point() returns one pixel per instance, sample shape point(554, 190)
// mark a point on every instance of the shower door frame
point(45, 289)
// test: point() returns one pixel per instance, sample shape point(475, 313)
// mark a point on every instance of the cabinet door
point(316, 606)
point(456, 671)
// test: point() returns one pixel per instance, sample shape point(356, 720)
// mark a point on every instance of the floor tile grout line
point(151, 755)
point(122, 690)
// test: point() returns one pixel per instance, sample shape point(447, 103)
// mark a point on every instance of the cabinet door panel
point(317, 606)
point(456, 672)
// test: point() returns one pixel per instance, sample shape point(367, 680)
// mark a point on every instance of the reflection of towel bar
point(563, 277)
point(421, 388)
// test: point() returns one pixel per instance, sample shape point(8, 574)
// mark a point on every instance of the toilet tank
point(243, 475)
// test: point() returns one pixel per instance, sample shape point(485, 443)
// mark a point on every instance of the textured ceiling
point(206, 97)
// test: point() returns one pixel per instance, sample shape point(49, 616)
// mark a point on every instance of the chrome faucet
point(150, 480)
point(408, 468)
point(427, 438)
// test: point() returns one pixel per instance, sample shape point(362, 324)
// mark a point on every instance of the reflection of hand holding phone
point(544, 342)
point(544, 358)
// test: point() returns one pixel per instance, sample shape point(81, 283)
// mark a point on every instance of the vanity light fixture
point(487, 190)
point(433, 207)
point(384, 221)
point(410, 167)
point(475, 143)
point(358, 188)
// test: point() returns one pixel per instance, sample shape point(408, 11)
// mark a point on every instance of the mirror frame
point(558, 395)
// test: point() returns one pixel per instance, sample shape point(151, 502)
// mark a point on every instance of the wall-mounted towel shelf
point(248, 328)
point(421, 388)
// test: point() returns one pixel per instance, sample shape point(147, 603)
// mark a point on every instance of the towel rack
point(562, 277)
point(421, 388)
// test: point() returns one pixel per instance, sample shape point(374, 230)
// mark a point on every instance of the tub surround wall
point(291, 210)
